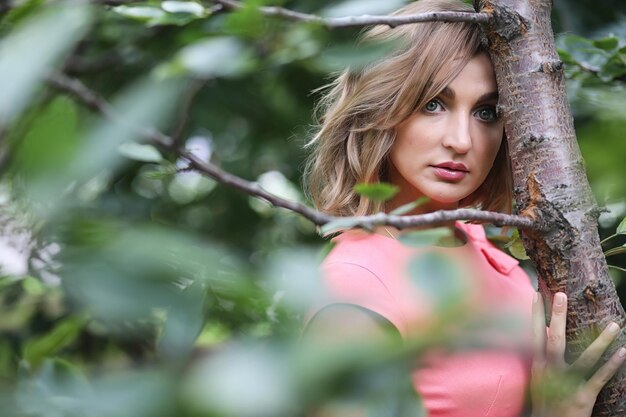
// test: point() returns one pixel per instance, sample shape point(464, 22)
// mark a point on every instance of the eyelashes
point(437, 104)
point(485, 113)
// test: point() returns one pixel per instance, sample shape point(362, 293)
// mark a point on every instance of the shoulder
point(362, 270)
point(366, 263)
point(344, 323)
point(369, 251)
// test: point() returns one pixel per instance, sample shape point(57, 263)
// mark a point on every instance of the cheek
point(406, 147)
point(494, 148)
point(492, 140)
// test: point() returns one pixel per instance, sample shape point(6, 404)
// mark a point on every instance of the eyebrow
point(448, 93)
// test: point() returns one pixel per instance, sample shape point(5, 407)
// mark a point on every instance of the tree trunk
point(549, 178)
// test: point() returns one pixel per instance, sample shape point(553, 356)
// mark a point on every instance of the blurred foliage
point(131, 286)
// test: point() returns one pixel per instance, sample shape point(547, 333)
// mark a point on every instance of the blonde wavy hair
point(360, 110)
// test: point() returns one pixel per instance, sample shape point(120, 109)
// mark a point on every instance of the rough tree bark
point(549, 177)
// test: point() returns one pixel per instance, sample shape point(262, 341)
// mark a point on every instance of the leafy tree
point(133, 285)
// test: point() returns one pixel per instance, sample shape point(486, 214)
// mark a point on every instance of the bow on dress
point(502, 262)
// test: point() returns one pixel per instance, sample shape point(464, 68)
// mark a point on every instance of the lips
point(453, 166)
point(451, 171)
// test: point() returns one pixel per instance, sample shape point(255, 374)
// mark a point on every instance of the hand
point(559, 389)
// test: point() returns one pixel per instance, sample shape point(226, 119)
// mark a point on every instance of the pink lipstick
point(450, 171)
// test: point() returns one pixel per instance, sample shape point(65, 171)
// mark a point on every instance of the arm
point(340, 326)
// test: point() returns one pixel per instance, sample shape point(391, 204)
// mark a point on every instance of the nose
point(458, 137)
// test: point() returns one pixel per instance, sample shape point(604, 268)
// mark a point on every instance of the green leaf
point(583, 51)
point(62, 335)
point(615, 251)
point(50, 141)
point(439, 277)
point(516, 247)
point(246, 21)
point(215, 57)
point(140, 152)
point(141, 13)
point(57, 371)
point(33, 286)
point(183, 322)
point(170, 13)
point(566, 57)
point(159, 172)
point(377, 191)
point(621, 228)
point(425, 238)
point(31, 51)
point(20, 11)
point(186, 7)
point(609, 43)
point(517, 250)
point(6, 358)
point(144, 103)
point(406, 208)
point(325, 250)
point(338, 225)
point(172, 19)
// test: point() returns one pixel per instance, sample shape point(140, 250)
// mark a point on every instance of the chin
point(447, 200)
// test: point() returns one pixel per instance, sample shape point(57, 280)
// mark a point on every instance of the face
point(445, 150)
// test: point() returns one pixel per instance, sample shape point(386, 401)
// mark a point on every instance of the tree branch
point(364, 20)
point(95, 102)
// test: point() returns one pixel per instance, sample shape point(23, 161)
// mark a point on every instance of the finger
point(590, 356)
point(606, 372)
point(555, 346)
point(539, 330)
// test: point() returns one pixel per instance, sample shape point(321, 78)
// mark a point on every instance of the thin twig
point(364, 20)
point(94, 101)
point(367, 222)
point(617, 267)
point(603, 241)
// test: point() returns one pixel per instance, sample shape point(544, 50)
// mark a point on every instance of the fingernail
point(613, 327)
point(559, 299)
point(621, 352)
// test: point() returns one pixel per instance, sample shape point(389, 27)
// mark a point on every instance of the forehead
point(475, 78)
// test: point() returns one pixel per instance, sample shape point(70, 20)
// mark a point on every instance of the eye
point(432, 106)
point(487, 114)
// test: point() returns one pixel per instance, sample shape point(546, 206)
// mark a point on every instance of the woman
point(424, 119)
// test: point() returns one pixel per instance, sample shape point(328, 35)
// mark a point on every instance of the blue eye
point(487, 114)
point(432, 106)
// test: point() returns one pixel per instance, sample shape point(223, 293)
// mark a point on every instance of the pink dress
point(369, 270)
